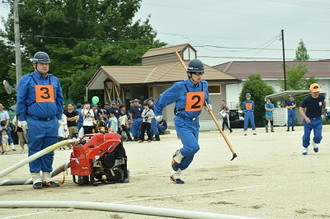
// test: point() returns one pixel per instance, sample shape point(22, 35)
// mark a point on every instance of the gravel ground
point(269, 179)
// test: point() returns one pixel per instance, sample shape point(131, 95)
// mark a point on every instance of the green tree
point(296, 78)
point(258, 90)
point(7, 57)
point(82, 35)
point(301, 52)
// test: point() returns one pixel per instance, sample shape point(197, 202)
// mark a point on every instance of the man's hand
point(159, 118)
point(307, 120)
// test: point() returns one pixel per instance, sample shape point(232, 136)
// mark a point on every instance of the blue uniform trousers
point(316, 126)
point(161, 129)
point(187, 130)
point(79, 125)
point(40, 135)
point(249, 117)
point(136, 132)
point(291, 118)
point(154, 127)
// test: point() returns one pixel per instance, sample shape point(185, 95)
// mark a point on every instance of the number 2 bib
point(194, 101)
point(44, 93)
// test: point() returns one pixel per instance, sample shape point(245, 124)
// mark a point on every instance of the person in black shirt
point(72, 118)
point(311, 110)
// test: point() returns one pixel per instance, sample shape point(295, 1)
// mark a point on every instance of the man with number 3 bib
point(39, 107)
point(189, 97)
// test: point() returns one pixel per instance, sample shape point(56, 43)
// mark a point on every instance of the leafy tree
point(296, 78)
point(258, 90)
point(296, 75)
point(301, 52)
point(82, 35)
point(7, 57)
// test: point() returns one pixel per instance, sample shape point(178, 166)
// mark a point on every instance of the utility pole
point(18, 59)
point(284, 67)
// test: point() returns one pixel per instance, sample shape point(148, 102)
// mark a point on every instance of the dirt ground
point(269, 179)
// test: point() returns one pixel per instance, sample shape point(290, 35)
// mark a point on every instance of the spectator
point(154, 123)
point(63, 131)
point(88, 115)
point(135, 118)
point(72, 118)
point(113, 122)
point(147, 116)
point(123, 122)
point(21, 134)
point(4, 120)
point(81, 118)
point(4, 141)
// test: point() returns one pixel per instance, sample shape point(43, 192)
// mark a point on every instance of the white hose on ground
point(58, 170)
point(36, 156)
point(132, 209)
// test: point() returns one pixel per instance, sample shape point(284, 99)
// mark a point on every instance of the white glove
point(24, 125)
point(159, 118)
point(210, 107)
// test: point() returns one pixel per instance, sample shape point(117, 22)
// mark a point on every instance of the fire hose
point(164, 212)
point(32, 158)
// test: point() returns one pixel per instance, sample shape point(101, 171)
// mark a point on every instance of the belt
point(183, 117)
point(40, 118)
point(315, 118)
point(291, 109)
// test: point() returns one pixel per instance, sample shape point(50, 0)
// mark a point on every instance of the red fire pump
point(99, 158)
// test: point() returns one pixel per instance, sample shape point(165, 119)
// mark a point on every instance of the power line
point(309, 4)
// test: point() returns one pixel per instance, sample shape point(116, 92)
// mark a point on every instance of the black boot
point(156, 138)
point(292, 129)
point(288, 129)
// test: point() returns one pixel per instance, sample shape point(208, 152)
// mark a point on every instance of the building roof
point(166, 50)
point(162, 73)
point(272, 69)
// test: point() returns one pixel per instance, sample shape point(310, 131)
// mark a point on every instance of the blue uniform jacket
point(26, 97)
point(136, 111)
point(248, 106)
point(177, 94)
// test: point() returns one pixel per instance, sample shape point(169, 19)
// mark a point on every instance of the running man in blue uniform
point(39, 107)
point(311, 110)
point(248, 109)
point(189, 97)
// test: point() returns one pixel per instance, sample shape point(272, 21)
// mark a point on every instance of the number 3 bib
point(44, 93)
point(194, 101)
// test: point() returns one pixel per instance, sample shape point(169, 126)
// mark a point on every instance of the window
point(189, 54)
point(214, 89)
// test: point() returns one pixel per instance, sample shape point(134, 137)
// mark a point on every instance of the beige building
point(160, 69)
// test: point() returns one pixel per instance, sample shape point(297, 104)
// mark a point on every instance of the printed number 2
point(44, 93)
point(194, 101)
point(195, 105)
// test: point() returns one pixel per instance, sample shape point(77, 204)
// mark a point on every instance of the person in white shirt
point(88, 116)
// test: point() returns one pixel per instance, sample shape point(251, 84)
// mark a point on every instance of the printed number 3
point(45, 95)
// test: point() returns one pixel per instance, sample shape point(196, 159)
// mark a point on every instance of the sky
point(242, 30)
point(239, 30)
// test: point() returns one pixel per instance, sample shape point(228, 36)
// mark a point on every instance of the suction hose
point(36, 156)
point(10, 182)
point(165, 212)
